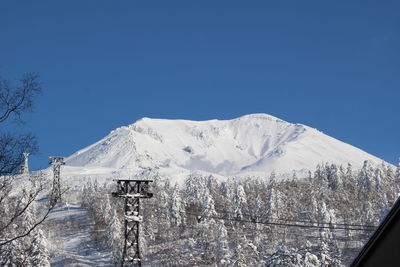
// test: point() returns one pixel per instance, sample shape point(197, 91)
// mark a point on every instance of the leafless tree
point(15, 100)
point(18, 193)
point(12, 147)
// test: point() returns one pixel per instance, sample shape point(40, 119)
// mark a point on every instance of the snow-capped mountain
point(251, 143)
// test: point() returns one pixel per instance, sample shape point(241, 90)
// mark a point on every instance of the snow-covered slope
point(252, 143)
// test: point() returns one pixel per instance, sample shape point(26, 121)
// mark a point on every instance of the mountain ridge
point(250, 143)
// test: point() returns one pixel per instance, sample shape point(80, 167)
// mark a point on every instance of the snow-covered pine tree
point(240, 202)
point(383, 207)
point(335, 175)
point(274, 204)
point(397, 179)
point(26, 220)
point(163, 216)
point(207, 227)
point(329, 250)
point(223, 200)
point(225, 190)
point(176, 208)
point(283, 257)
point(321, 174)
point(195, 187)
point(208, 205)
point(258, 209)
point(38, 252)
point(239, 255)
point(106, 210)
point(222, 250)
point(114, 237)
point(365, 181)
point(325, 254)
point(12, 254)
point(369, 215)
point(23, 223)
point(389, 175)
point(310, 259)
point(378, 180)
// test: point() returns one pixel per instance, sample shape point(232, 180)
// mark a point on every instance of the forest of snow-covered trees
point(321, 220)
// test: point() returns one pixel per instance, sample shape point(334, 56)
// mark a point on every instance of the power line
point(282, 224)
point(250, 233)
point(293, 220)
point(288, 223)
point(305, 221)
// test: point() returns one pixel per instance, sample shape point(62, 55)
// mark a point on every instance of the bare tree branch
point(15, 100)
point(33, 195)
point(18, 213)
point(18, 99)
point(11, 151)
point(51, 207)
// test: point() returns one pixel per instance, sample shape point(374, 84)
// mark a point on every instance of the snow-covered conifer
point(38, 252)
point(378, 179)
point(27, 219)
point(284, 256)
point(327, 216)
point(239, 255)
point(176, 208)
point(325, 255)
point(335, 175)
point(257, 209)
point(209, 208)
point(240, 202)
point(369, 215)
point(272, 178)
point(324, 174)
point(106, 209)
point(329, 251)
point(274, 203)
point(383, 207)
point(365, 179)
point(114, 237)
point(222, 251)
point(397, 179)
point(13, 254)
point(311, 260)
point(194, 187)
point(225, 190)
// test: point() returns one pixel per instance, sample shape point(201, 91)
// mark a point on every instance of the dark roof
point(383, 248)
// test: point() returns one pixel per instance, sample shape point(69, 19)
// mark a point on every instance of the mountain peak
point(255, 142)
point(262, 116)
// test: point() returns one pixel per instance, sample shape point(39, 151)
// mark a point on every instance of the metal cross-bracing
point(132, 191)
point(56, 162)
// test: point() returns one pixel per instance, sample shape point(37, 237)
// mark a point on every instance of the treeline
point(319, 220)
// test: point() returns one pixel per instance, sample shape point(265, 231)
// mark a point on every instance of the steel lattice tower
point(132, 191)
point(24, 166)
point(56, 162)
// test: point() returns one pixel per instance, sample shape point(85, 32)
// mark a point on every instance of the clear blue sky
point(332, 65)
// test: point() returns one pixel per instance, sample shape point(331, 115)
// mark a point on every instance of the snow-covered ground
point(69, 238)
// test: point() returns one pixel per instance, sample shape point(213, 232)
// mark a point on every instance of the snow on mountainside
point(251, 143)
